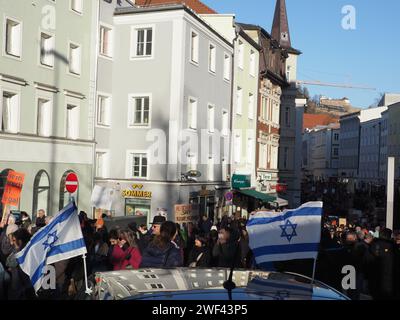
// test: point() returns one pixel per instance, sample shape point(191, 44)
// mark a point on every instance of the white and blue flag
point(61, 239)
point(287, 235)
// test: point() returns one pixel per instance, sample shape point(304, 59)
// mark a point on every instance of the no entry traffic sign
point(71, 182)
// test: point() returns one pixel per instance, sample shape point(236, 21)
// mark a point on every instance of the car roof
point(191, 282)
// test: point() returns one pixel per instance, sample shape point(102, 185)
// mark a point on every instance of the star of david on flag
point(288, 235)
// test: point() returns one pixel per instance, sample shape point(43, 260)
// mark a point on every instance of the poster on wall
point(185, 213)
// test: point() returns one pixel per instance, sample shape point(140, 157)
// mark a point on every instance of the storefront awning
point(280, 202)
point(258, 195)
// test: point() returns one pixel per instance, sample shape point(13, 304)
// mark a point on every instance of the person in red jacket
point(126, 254)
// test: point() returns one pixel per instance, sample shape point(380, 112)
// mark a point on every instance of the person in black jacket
point(226, 250)
point(41, 219)
point(163, 252)
point(383, 279)
point(200, 255)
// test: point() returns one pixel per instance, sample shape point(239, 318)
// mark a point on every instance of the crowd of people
point(374, 254)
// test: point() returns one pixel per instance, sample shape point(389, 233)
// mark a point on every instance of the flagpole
point(88, 290)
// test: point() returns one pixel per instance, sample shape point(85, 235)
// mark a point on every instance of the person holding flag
point(288, 235)
point(61, 239)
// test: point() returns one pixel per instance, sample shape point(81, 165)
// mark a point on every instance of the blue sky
point(367, 56)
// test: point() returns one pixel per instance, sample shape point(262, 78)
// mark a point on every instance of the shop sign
point(241, 181)
point(185, 213)
point(137, 192)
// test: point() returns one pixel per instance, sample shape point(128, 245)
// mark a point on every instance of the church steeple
point(280, 27)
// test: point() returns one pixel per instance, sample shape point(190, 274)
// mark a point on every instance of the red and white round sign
point(71, 182)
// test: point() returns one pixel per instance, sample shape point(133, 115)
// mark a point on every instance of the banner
point(13, 188)
point(185, 213)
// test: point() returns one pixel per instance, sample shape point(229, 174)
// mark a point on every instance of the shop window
point(138, 208)
point(41, 193)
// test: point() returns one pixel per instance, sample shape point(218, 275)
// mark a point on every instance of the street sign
point(241, 181)
point(71, 182)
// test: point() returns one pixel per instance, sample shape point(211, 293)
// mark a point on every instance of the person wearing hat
point(152, 233)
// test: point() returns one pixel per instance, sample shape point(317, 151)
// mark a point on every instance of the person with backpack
point(163, 252)
point(126, 254)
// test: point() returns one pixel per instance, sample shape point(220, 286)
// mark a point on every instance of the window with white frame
point(194, 52)
point(103, 110)
point(138, 165)
point(106, 41)
point(74, 59)
point(210, 168)
point(44, 120)
point(240, 54)
point(144, 42)
point(227, 67)
point(46, 49)
point(263, 154)
point(77, 6)
point(211, 118)
point(191, 162)
point(13, 41)
point(10, 112)
point(274, 157)
point(252, 63)
point(239, 100)
point(249, 155)
point(251, 106)
point(139, 114)
point(224, 170)
point(275, 114)
point(72, 121)
point(225, 122)
point(238, 148)
point(192, 113)
point(212, 57)
point(101, 164)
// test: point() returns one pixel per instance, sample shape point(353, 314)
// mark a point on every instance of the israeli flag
point(287, 235)
point(61, 239)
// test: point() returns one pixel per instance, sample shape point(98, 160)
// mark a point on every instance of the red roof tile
point(312, 120)
point(196, 5)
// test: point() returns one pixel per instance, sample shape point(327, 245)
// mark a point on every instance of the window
point(227, 67)
point(152, 286)
point(212, 58)
point(274, 157)
point(263, 156)
point(239, 100)
point(225, 122)
point(210, 168)
point(139, 114)
point(252, 63)
point(74, 59)
point(287, 117)
point(138, 165)
point(192, 114)
point(64, 194)
point(336, 137)
point(72, 121)
point(249, 155)
point(144, 42)
point(211, 118)
point(336, 152)
point(106, 43)
point(241, 54)
point(238, 148)
point(77, 6)
point(41, 193)
point(194, 53)
point(285, 157)
point(224, 170)
point(191, 162)
point(101, 164)
point(44, 120)
point(10, 112)
point(103, 110)
point(46, 49)
point(251, 106)
point(13, 43)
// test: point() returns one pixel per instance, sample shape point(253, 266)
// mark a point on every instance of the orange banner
point(12, 191)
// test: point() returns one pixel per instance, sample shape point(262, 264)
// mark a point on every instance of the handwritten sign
point(185, 213)
point(13, 188)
